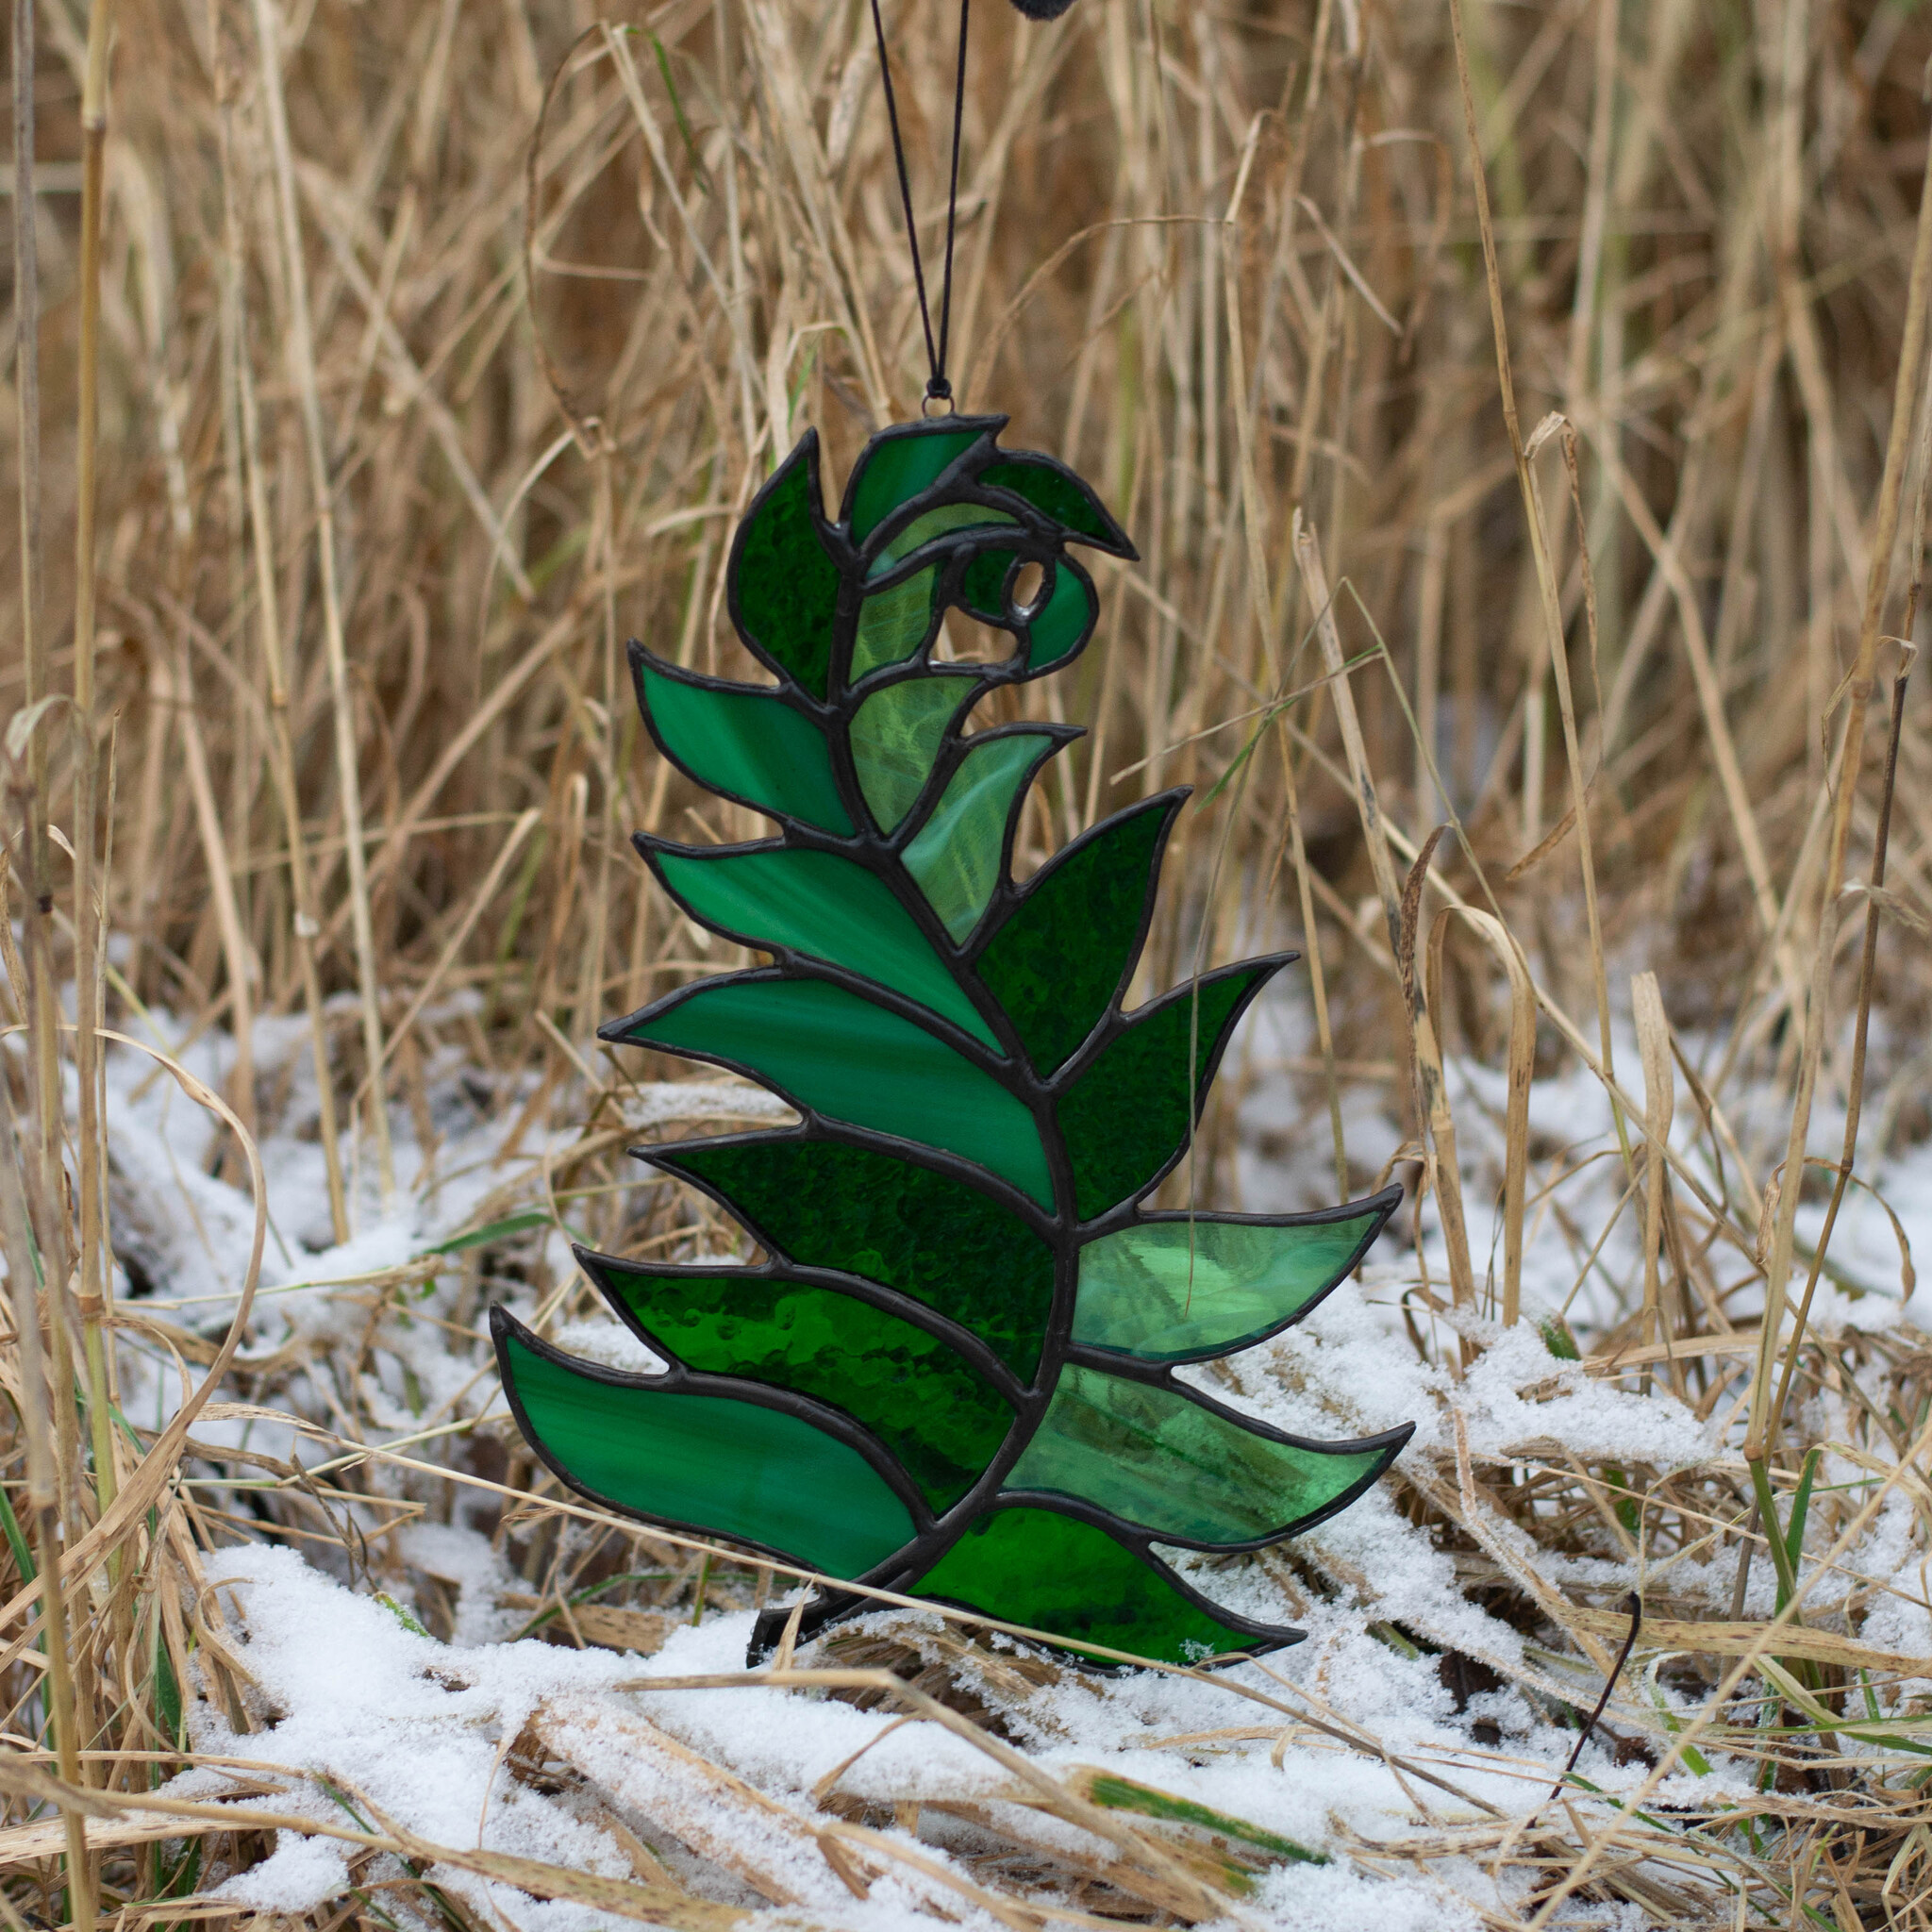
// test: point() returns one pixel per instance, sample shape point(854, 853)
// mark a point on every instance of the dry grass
point(376, 509)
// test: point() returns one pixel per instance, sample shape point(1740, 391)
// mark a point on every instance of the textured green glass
point(785, 586)
point(832, 1051)
point(1127, 1115)
point(747, 744)
point(1145, 1291)
point(732, 1468)
point(1059, 628)
point(942, 1422)
point(895, 741)
point(973, 1101)
point(826, 1204)
point(1156, 1458)
point(1054, 1573)
point(1065, 951)
point(983, 585)
point(1053, 493)
point(893, 624)
point(957, 856)
point(937, 522)
point(820, 904)
point(899, 467)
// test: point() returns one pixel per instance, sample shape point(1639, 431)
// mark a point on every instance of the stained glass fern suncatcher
point(953, 1376)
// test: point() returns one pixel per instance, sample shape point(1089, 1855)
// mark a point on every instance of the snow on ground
point(362, 1702)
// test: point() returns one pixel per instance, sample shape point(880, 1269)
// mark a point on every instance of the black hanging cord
point(938, 388)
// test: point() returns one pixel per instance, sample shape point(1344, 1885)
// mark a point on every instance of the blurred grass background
point(1226, 261)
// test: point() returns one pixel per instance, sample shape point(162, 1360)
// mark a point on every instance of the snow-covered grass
point(415, 1662)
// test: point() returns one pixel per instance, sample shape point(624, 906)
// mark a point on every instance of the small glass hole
point(1028, 582)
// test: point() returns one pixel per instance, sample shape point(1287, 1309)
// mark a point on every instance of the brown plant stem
point(93, 1279)
point(1844, 779)
point(307, 928)
point(1854, 1085)
point(302, 372)
point(1545, 569)
point(43, 1495)
point(26, 359)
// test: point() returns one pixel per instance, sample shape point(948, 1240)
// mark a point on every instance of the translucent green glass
point(825, 906)
point(956, 855)
point(1051, 490)
point(937, 522)
point(893, 624)
point(1145, 1291)
point(983, 585)
point(1182, 1473)
point(785, 586)
point(895, 740)
point(930, 1409)
point(901, 466)
point(1055, 1573)
point(1129, 1115)
point(839, 1053)
point(1062, 956)
point(922, 1307)
point(1062, 624)
point(747, 744)
point(827, 1204)
point(732, 1468)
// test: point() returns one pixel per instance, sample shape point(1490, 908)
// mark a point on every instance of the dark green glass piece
point(1064, 620)
point(784, 586)
point(1065, 951)
point(914, 1392)
point(834, 1052)
point(744, 742)
point(1128, 1115)
point(896, 739)
point(983, 585)
point(734, 1469)
point(1180, 1290)
point(826, 906)
point(1064, 498)
point(957, 853)
point(894, 622)
point(1171, 1466)
point(1055, 1573)
point(827, 1204)
point(894, 468)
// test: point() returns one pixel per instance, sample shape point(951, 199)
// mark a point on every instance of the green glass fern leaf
point(953, 1376)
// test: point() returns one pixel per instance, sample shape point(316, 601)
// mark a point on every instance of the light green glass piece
point(730, 1468)
point(1175, 1467)
point(820, 904)
point(841, 1056)
point(893, 624)
point(749, 743)
point(895, 739)
point(937, 522)
point(1143, 1293)
point(1061, 624)
point(956, 857)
